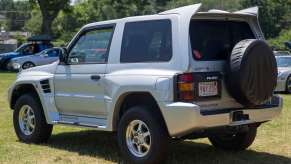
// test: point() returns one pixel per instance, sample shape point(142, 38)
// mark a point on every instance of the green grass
point(75, 145)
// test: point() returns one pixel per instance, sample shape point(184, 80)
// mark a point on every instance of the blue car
point(47, 56)
point(23, 50)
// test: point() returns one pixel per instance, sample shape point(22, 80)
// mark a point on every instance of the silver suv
point(177, 74)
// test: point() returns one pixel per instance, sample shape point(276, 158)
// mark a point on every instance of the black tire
point(42, 130)
point(288, 90)
point(234, 142)
point(27, 65)
point(159, 136)
point(252, 72)
point(5, 64)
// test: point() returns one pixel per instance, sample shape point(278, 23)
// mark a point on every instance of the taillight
point(185, 87)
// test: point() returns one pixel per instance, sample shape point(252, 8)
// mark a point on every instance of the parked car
point(281, 53)
point(44, 57)
point(284, 74)
point(288, 44)
point(178, 74)
point(34, 45)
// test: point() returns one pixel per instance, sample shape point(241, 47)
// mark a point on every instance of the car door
point(49, 56)
point(79, 84)
point(43, 58)
point(53, 55)
point(39, 58)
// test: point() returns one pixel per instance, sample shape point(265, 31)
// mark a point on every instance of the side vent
point(45, 85)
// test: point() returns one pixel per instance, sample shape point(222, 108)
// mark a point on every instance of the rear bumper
point(184, 118)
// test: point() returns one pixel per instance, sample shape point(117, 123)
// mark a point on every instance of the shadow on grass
point(104, 145)
point(7, 72)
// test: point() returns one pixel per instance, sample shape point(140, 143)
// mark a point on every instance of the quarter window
point(91, 47)
point(147, 41)
point(214, 39)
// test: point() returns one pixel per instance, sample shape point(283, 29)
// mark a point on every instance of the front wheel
point(28, 65)
point(234, 142)
point(142, 137)
point(29, 120)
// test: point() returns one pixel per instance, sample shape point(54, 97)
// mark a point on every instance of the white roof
point(186, 12)
point(253, 11)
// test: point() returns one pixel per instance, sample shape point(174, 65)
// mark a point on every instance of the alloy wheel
point(26, 120)
point(138, 138)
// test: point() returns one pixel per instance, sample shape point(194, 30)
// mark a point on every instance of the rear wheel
point(142, 137)
point(29, 120)
point(238, 141)
point(28, 65)
point(288, 85)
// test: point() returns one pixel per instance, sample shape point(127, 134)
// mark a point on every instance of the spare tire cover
point(252, 72)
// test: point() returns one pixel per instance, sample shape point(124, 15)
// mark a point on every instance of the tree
point(50, 10)
point(126, 8)
point(229, 5)
point(274, 15)
point(33, 24)
point(278, 42)
point(16, 13)
point(5, 4)
point(68, 23)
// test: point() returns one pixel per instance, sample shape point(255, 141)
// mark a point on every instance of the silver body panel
point(77, 100)
point(76, 93)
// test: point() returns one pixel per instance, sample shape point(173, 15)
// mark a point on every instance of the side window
point(147, 41)
point(91, 47)
point(53, 53)
point(28, 49)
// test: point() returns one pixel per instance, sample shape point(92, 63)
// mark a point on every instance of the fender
point(115, 93)
point(47, 99)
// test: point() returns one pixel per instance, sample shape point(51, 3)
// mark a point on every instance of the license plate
point(208, 89)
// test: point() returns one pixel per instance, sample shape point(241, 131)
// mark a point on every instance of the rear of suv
point(177, 74)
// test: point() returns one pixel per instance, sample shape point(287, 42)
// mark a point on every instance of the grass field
point(75, 145)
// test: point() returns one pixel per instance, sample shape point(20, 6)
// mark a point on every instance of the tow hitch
point(239, 116)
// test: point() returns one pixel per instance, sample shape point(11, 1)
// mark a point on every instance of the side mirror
point(63, 55)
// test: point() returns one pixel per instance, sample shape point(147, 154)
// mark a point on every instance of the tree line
point(61, 19)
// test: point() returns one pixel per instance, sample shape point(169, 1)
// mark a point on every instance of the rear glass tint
point(214, 40)
point(147, 41)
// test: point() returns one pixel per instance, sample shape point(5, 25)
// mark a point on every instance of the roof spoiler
point(192, 9)
point(252, 10)
point(185, 10)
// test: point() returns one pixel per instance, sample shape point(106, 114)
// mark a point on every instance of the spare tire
point(252, 72)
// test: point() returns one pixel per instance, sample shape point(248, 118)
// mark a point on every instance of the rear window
point(214, 40)
point(147, 41)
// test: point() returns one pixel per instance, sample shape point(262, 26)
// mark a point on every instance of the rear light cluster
point(185, 87)
point(197, 86)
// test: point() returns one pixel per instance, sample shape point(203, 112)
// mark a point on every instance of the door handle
point(95, 77)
